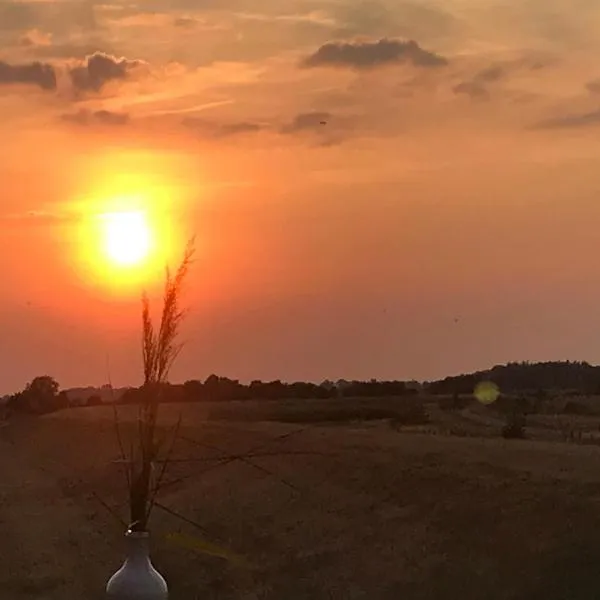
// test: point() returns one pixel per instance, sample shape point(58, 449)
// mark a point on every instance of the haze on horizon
point(387, 189)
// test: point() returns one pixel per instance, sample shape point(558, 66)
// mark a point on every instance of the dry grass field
point(347, 505)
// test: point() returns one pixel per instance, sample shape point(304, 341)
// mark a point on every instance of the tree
point(41, 394)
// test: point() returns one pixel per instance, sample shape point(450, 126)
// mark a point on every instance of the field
point(347, 504)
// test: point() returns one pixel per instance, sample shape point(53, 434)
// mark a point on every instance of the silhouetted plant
point(160, 348)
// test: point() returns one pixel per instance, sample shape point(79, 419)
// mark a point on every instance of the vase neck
point(137, 547)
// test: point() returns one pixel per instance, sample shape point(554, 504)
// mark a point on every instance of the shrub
point(515, 427)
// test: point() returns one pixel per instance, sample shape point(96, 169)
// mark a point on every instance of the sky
point(377, 189)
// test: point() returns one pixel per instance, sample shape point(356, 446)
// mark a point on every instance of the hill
point(527, 377)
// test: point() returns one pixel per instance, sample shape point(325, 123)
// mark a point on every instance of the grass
point(406, 410)
point(371, 512)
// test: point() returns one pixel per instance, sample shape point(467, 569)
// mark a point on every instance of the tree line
point(43, 395)
point(527, 377)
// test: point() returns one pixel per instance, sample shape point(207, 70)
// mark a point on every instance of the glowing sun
point(127, 237)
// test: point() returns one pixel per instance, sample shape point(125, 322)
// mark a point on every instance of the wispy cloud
point(34, 38)
point(100, 117)
point(310, 121)
point(205, 127)
point(586, 119)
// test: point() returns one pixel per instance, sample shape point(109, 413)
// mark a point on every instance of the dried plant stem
point(160, 348)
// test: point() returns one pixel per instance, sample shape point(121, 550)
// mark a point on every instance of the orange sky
point(454, 178)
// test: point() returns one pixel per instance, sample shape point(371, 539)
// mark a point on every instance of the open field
point(349, 505)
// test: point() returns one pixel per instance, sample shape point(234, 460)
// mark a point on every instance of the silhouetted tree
point(39, 396)
point(526, 377)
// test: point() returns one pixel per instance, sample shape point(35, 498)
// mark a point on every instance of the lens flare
point(487, 392)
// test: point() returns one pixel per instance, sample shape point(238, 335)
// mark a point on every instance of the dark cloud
point(587, 119)
point(473, 89)
point(40, 74)
point(309, 121)
point(206, 127)
point(493, 73)
point(320, 127)
point(100, 68)
point(369, 55)
point(102, 117)
point(477, 87)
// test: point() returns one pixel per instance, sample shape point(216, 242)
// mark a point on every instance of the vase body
point(137, 579)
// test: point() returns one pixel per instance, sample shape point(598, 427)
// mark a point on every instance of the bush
point(515, 426)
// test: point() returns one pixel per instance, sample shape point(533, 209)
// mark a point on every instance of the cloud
point(369, 55)
point(476, 87)
point(34, 38)
point(102, 117)
point(472, 89)
point(185, 22)
point(586, 119)
point(322, 126)
point(405, 18)
point(100, 68)
point(40, 74)
point(56, 16)
point(16, 15)
point(206, 127)
point(310, 121)
point(593, 86)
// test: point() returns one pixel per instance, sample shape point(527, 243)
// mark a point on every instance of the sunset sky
point(382, 189)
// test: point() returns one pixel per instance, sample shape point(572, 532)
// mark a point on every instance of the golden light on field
point(127, 237)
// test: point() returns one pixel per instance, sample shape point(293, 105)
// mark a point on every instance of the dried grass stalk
point(160, 349)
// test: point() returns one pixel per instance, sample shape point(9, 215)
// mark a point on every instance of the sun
point(122, 242)
point(127, 237)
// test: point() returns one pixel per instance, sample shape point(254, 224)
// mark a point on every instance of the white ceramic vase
point(137, 579)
